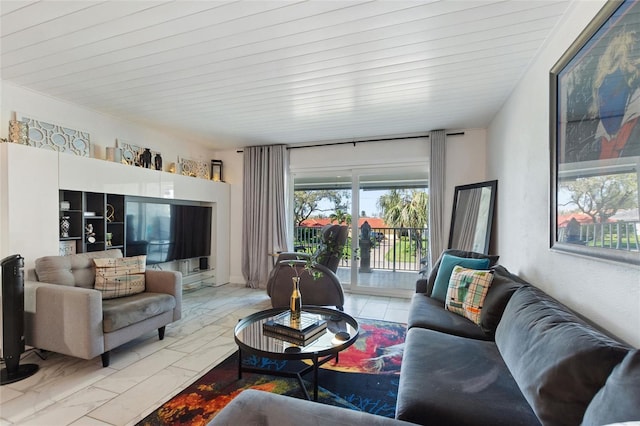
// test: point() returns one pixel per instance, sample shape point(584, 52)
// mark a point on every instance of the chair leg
point(161, 332)
point(105, 359)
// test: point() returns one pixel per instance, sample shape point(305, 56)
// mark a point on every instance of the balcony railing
point(613, 235)
point(394, 249)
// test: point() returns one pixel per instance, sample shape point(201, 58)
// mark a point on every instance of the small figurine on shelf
point(65, 225)
point(110, 213)
point(91, 236)
point(157, 162)
point(145, 158)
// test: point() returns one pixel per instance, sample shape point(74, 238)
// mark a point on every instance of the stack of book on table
point(309, 328)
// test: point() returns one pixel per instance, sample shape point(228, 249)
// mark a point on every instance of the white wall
point(465, 164)
point(392, 154)
point(103, 129)
point(518, 142)
point(232, 170)
point(29, 223)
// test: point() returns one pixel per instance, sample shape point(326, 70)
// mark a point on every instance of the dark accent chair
point(323, 291)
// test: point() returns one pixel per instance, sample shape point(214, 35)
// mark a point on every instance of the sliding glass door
point(392, 230)
point(386, 212)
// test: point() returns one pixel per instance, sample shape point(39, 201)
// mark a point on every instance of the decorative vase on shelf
point(65, 225)
point(157, 162)
point(296, 300)
point(145, 158)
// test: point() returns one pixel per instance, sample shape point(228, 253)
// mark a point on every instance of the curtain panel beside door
point(264, 222)
point(437, 162)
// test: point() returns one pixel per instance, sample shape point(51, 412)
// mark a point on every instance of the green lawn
point(611, 241)
point(406, 250)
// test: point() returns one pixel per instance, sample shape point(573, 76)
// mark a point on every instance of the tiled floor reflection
point(147, 372)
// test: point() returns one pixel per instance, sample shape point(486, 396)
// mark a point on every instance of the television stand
point(196, 279)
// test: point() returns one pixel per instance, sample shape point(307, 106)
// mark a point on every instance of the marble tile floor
point(382, 278)
point(146, 372)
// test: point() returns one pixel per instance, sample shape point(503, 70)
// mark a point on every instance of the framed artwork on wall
point(595, 138)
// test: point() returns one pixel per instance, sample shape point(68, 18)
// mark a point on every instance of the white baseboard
point(237, 279)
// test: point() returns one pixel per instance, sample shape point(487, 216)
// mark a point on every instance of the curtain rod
point(363, 141)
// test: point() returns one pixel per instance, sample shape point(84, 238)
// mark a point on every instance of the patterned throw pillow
point(467, 291)
point(119, 277)
point(447, 263)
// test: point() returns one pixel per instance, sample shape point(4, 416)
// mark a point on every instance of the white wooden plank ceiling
point(242, 73)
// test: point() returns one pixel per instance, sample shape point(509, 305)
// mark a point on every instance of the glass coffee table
point(251, 340)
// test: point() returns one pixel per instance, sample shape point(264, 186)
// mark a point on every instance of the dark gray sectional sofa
point(530, 361)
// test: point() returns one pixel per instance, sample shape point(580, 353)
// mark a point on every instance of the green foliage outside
point(402, 208)
point(307, 203)
point(601, 197)
point(406, 250)
point(611, 241)
point(312, 240)
point(346, 251)
point(340, 216)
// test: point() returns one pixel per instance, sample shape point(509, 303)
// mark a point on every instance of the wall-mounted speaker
point(13, 321)
point(204, 263)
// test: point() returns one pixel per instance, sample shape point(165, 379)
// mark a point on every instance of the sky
point(368, 203)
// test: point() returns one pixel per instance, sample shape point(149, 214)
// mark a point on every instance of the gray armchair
point(323, 291)
point(65, 314)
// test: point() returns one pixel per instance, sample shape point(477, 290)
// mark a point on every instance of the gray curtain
point(437, 240)
point(264, 221)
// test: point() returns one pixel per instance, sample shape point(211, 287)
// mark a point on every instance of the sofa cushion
point(466, 293)
point(74, 270)
point(125, 311)
point(558, 360)
point(426, 312)
point(458, 253)
point(450, 380)
point(445, 269)
point(503, 286)
point(619, 400)
point(119, 277)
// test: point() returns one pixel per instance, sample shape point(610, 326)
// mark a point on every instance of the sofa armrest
point(421, 285)
point(64, 319)
point(253, 407)
point(168, 282)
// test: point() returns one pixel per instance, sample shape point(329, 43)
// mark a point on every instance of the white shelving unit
point(193, 277)
point(197, 279)
point(31, 179)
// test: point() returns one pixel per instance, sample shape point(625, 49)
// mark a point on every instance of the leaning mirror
point(472, 216)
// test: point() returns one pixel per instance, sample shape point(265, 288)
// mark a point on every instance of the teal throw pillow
point(447, 264)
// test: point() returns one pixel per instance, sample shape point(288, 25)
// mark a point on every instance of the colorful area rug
point(365, 379)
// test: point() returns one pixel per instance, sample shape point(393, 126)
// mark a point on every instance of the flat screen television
point(167, 230)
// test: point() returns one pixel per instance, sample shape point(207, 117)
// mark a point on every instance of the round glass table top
point(341, 332)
